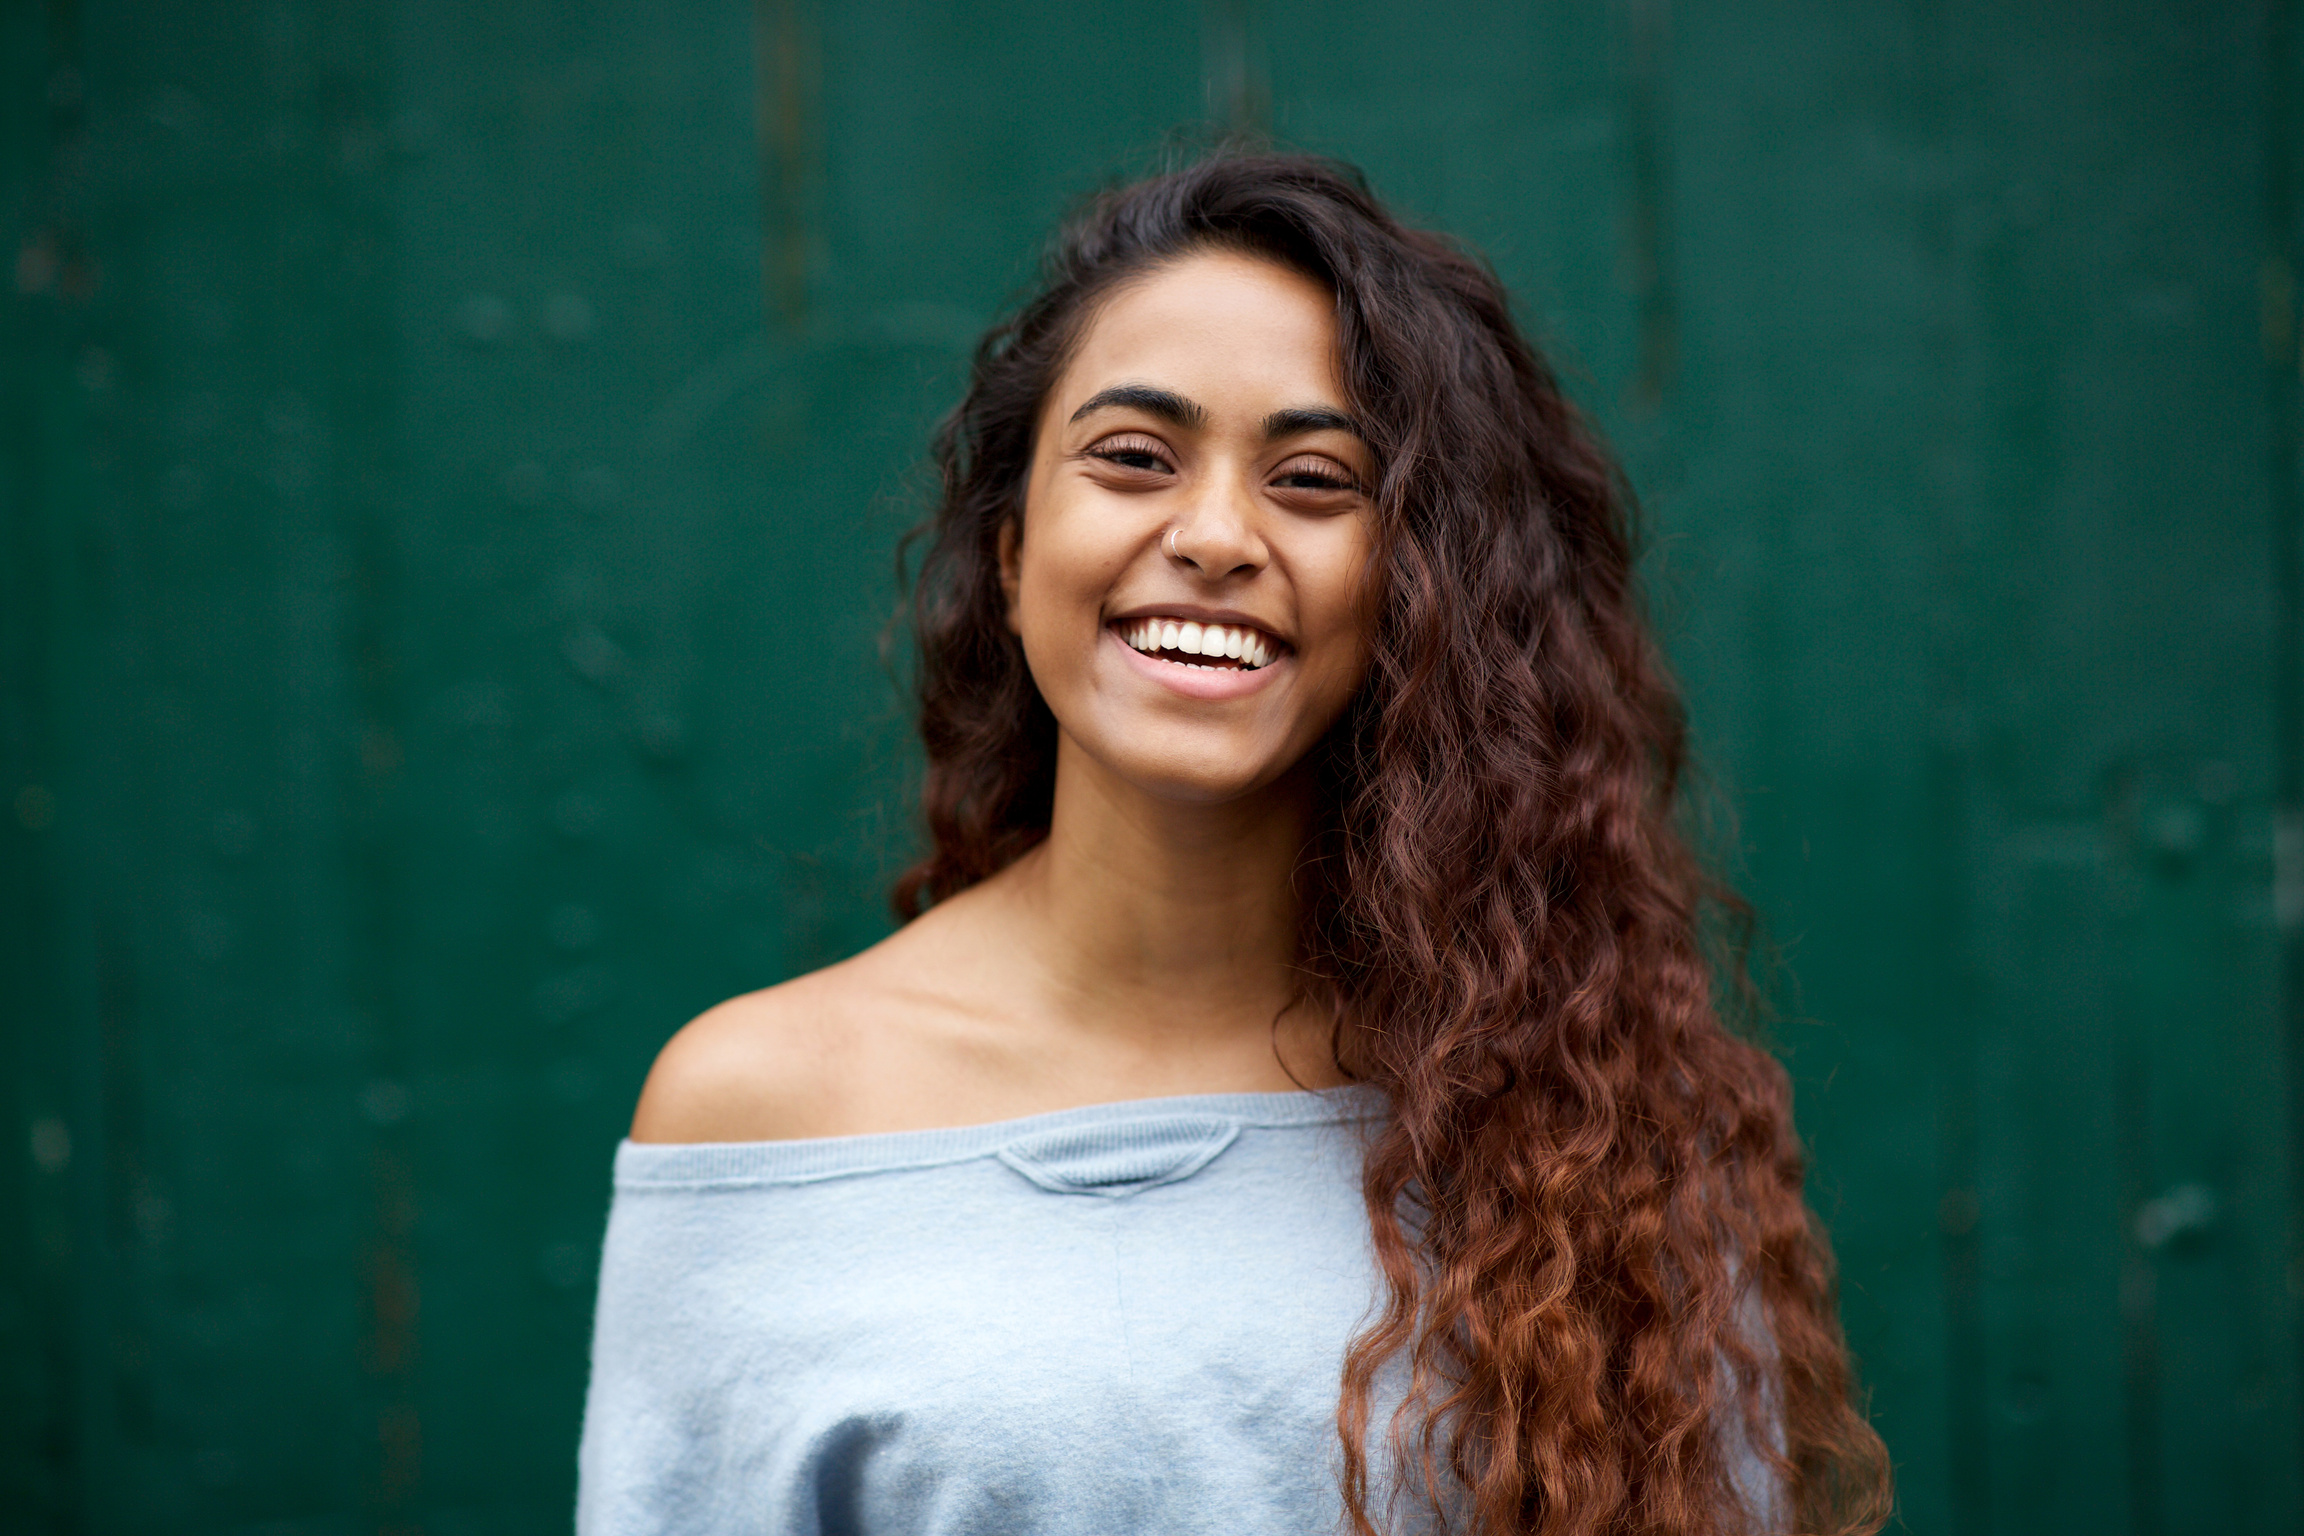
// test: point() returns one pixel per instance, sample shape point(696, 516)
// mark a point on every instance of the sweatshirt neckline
point(663, 1165)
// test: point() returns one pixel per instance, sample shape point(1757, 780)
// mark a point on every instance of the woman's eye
point(1143, 457)
point(1314, 477)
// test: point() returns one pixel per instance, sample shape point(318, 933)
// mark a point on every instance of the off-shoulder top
point(1126, 1317)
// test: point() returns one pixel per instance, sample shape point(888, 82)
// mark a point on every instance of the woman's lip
point(1192, 682)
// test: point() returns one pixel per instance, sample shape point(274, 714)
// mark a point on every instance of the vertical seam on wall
point(787, 93)
point(1234, 79)
point(68, 929)
point(2282, 359)
point(1647, 243)
point(1961, 1218)
point(348, 78)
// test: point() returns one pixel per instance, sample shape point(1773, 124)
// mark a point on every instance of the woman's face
point(1188, 583)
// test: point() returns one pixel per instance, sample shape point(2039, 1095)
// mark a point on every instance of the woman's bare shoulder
point(805, 1058)
point(750, 1069)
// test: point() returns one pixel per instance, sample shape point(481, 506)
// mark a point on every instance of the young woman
point(1295, 1100)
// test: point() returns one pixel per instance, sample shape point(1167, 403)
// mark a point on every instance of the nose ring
point(1170, 545)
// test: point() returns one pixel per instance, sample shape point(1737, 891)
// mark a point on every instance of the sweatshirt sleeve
point(648, 1458)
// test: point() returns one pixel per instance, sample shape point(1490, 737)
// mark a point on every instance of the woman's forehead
point(1232, 334)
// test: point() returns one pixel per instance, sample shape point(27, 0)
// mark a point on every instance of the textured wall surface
point(450, 469)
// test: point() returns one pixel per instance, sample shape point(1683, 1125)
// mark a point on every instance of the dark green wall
point(453, 456)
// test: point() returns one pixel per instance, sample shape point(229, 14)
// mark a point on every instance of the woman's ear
point(1010, 566)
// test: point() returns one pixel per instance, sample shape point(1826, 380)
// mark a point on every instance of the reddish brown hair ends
point(1601, 1275)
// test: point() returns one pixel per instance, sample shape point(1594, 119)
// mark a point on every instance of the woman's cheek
point(1058, 627)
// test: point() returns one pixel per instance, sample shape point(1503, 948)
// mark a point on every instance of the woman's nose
point(1220, 534)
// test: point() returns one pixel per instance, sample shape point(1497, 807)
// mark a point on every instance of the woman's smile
point(1154, 649)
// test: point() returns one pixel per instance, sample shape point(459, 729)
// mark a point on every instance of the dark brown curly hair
point(1603, 1290)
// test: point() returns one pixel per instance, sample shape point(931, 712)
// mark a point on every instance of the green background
point(453, 456)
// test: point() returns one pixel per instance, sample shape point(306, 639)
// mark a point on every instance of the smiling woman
point(1295, 1098)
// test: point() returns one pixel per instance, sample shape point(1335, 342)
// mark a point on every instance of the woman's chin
point(1183, 776)
point(1206, 792)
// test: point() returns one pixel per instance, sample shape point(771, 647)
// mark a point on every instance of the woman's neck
point(1156, 919)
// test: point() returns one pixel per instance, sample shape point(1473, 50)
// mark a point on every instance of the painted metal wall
point(453, 460)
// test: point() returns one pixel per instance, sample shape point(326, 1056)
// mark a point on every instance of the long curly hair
point(1605, 1302)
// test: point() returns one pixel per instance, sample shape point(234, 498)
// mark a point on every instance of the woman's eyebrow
point(1152, 400)
point(1314, 419)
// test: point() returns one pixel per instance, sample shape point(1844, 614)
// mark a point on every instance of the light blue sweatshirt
point(1127, 1317)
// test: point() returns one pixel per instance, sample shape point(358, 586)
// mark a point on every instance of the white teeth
point(1249, 647)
